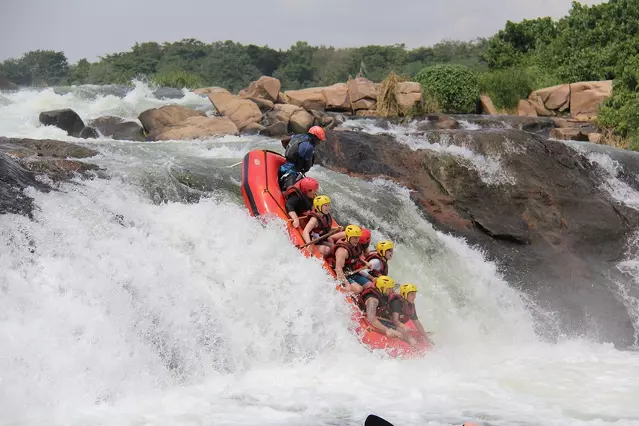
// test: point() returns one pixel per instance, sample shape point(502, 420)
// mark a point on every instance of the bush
point(506, 87)
point(178, 79)
point(620, 112)
point(455, 88)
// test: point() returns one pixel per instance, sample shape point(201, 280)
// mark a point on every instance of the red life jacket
point(353, 254)
point(308, 203)
point(408, 309)
point(383, 308)
point(376, 273)
point(324, 222)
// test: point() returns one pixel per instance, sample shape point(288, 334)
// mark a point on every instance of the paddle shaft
point(323, 237)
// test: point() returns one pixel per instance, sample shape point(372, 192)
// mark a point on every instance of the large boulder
point(540, 108)
point(526, 108)
point(408, 94)
point(585, 98)
point(240, 111)
point(278, 128)
point(196, 128)
point(207, 90)
point(119, 129)
point(568, 134)
point(337, 98)
point(553, 98)
point(65, 119)
point(362, 93)
point(155, 119)
point(263, 88)
point(545, 218)
point(487, 105)
point(309, 99)
point(301, 121)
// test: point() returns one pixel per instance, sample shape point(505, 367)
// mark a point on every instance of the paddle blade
point(373, 420)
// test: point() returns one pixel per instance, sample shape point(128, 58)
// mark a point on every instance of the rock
point(65, 119)
point(300, 121)
point(337, 98)
point(253, 129)
point(89, 133)
point(263, 104)
point(168, 93)
point(435, 122)
point(46, 148)
point(6, 85)
point(59, 169)
point(324, 119)
point(553, 98)
point(242, 112)
point(118, 129)
point(567, 123)
point(366, 112)
point(568, 134)
point(155, 119)
point(547, 222)
point(14, 179)
point(487, 105)
point(207, 90)
point(276, 129)
point(283, 112)
point(281, 99)
point(196, 128)
point(407, 94)
point(264, 88)
point(540, 109)
point(585, 98)
point(595, 137)
point(525, 108)
point(362, 92)
point(309, 99)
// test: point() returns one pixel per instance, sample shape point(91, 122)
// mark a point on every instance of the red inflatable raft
point(262, 197)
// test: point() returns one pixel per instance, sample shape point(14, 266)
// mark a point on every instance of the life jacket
point(308, 203)
point(382, 259)
point(292, 153)
point(353, 254)
point(383, 307)
point(324, 222)
point(408, 309)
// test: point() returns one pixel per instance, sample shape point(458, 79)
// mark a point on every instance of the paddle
point(373, 420)
point(322, 238)
point(300, 218)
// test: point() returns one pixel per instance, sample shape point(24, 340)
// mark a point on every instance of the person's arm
point(340, 258)
point(312, 223)
point(371, 316)
point(375, 265)
point(291, 202)
point(285, 141)
point(396, 308)
point(420, 328)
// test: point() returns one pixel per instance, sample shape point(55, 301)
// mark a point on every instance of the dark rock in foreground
point(22, 160)
point(65, 119)
point(542, 215)
point(119, 129)
point(7, 85)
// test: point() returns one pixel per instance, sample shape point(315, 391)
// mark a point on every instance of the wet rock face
point(22, 160)
point(537, 206)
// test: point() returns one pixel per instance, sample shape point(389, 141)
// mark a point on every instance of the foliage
point(36, 68)
point(178, 79)
point(455, 87)
point(387, 105)
point(507, 86)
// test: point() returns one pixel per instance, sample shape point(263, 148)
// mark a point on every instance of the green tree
point(296, 70)
point(455, 88)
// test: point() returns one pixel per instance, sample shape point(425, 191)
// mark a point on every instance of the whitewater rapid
point(152, 298)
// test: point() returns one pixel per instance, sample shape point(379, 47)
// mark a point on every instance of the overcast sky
point(90, 28)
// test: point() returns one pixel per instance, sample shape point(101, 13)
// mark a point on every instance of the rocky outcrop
point(22, 160)
point(267, 88)
point(582, 100)
point(240, 111)
point(544, 217)
point(119, 129)
point(568, 134)
point(407, 94)
point(337, 98)
point(195, 128)
point(487, 105)
point(362, 93)
point(67, 120)
point(155, 119)
point(309, 99)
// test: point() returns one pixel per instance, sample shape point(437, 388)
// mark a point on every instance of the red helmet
point(318, 132)
point(366, 237)
point(307, 184)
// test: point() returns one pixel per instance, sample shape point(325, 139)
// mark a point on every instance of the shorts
point(357, 278)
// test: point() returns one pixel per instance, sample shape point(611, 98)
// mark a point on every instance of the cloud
point(91, 28)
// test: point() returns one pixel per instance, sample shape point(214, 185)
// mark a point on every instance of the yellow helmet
point(384, 282)
point(383, 246)
point(404, 289)
point(353, 231)
point(320, 201)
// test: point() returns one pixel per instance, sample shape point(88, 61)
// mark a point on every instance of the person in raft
point(299, 150)
point(320, 223)
point(378, 260)
point(299, 199)
point(346, 255)
point(374, 303)
point(402, 309)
